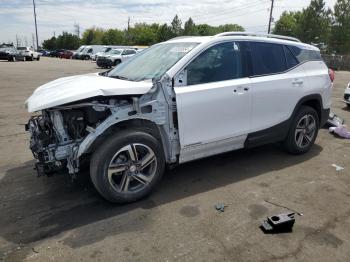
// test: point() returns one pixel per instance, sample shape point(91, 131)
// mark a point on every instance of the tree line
point(318, 25)
point(315, 24)
point(139, 34)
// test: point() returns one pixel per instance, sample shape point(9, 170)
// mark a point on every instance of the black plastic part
point(334, 120)
point(281, 223)
point(40, 170)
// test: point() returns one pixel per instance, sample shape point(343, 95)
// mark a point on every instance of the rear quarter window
point(304, 55)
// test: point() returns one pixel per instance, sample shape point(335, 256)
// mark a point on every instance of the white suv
point(178, 101)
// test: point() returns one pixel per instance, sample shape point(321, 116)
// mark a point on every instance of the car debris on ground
point(341, 131)
point(281, 223)
point(334, 120)
point(337, 168)
point(220, 207)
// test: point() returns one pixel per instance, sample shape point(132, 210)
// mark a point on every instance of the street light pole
point(270, 19)
point(36, 27)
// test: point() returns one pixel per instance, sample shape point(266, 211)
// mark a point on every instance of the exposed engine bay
point(56, 134)
point(62, 134)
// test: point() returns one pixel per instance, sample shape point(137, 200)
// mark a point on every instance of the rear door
point(214, 105)
point(277, 84)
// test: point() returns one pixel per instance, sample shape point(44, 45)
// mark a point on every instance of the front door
point(214, 105)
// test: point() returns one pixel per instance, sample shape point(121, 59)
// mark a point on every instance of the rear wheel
point(117, 62)
point(38, 58)
point(127, 167)
point(303, 131)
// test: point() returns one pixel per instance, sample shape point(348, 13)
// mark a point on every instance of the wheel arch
point(314, 101)
point(141, 124)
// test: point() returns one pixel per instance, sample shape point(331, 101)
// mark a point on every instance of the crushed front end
point(55, 136)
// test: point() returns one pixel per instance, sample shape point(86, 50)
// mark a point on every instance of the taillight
point(331, 74)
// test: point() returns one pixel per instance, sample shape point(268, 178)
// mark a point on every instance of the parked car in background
point(77, 52)
point(101, 53)
point(57, 52)
point(178, 101)
point(347, 95)
point(106, 49)
point(66, 54)
point(44, 52)
point(26, 53)
point(115, 57)
point(6, 53)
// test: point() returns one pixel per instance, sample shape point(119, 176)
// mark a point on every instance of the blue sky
point(55, 16)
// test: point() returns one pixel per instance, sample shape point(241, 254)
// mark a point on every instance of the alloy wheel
point(132, 168)
point(305, 131)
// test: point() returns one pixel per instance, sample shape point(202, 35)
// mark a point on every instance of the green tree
point(189, 28)
point(113, 37)
point(93, 36)
point(176, 26)
point(164, 33)
point(143, 34)
point(50, 44)
point(229, 28)
point(288, 24)
point(67, 41)
point(315, 23)
point(340, 33)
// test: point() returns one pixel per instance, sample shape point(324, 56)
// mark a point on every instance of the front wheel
point(127, 166)
point(303, 131)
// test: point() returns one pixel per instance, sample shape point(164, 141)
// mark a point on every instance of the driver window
point(218, 63)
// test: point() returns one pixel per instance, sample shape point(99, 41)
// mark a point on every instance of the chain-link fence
point(337, 62)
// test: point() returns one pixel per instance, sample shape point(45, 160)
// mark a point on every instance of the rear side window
point(291, 60)
point(268, 58)
point(305, 54)
point(218, 63)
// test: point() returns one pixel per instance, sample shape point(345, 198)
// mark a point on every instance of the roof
point(244, 36)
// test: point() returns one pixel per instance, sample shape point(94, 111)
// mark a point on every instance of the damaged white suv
point(178, 101)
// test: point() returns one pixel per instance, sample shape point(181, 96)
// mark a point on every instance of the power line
point(231, 11)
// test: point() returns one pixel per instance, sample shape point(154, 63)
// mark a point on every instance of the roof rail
point(181, 37)
point(259, 35)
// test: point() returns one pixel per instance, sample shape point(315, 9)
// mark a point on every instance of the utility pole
point(77, 29)
point(36, 27)
point(270, 18)
point(128, 23)
point(17, 41)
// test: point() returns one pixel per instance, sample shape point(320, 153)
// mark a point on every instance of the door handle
point(298, 82)
point(241, 90)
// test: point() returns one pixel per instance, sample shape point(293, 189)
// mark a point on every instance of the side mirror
point(181, 78)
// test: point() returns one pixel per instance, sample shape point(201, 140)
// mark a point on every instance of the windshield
point(115, 52)
point(153, 62)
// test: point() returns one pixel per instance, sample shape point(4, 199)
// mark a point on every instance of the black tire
point(117, 62)
point(107, 151)
point(31, 58)
point(38, 58)
point(294, 134)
